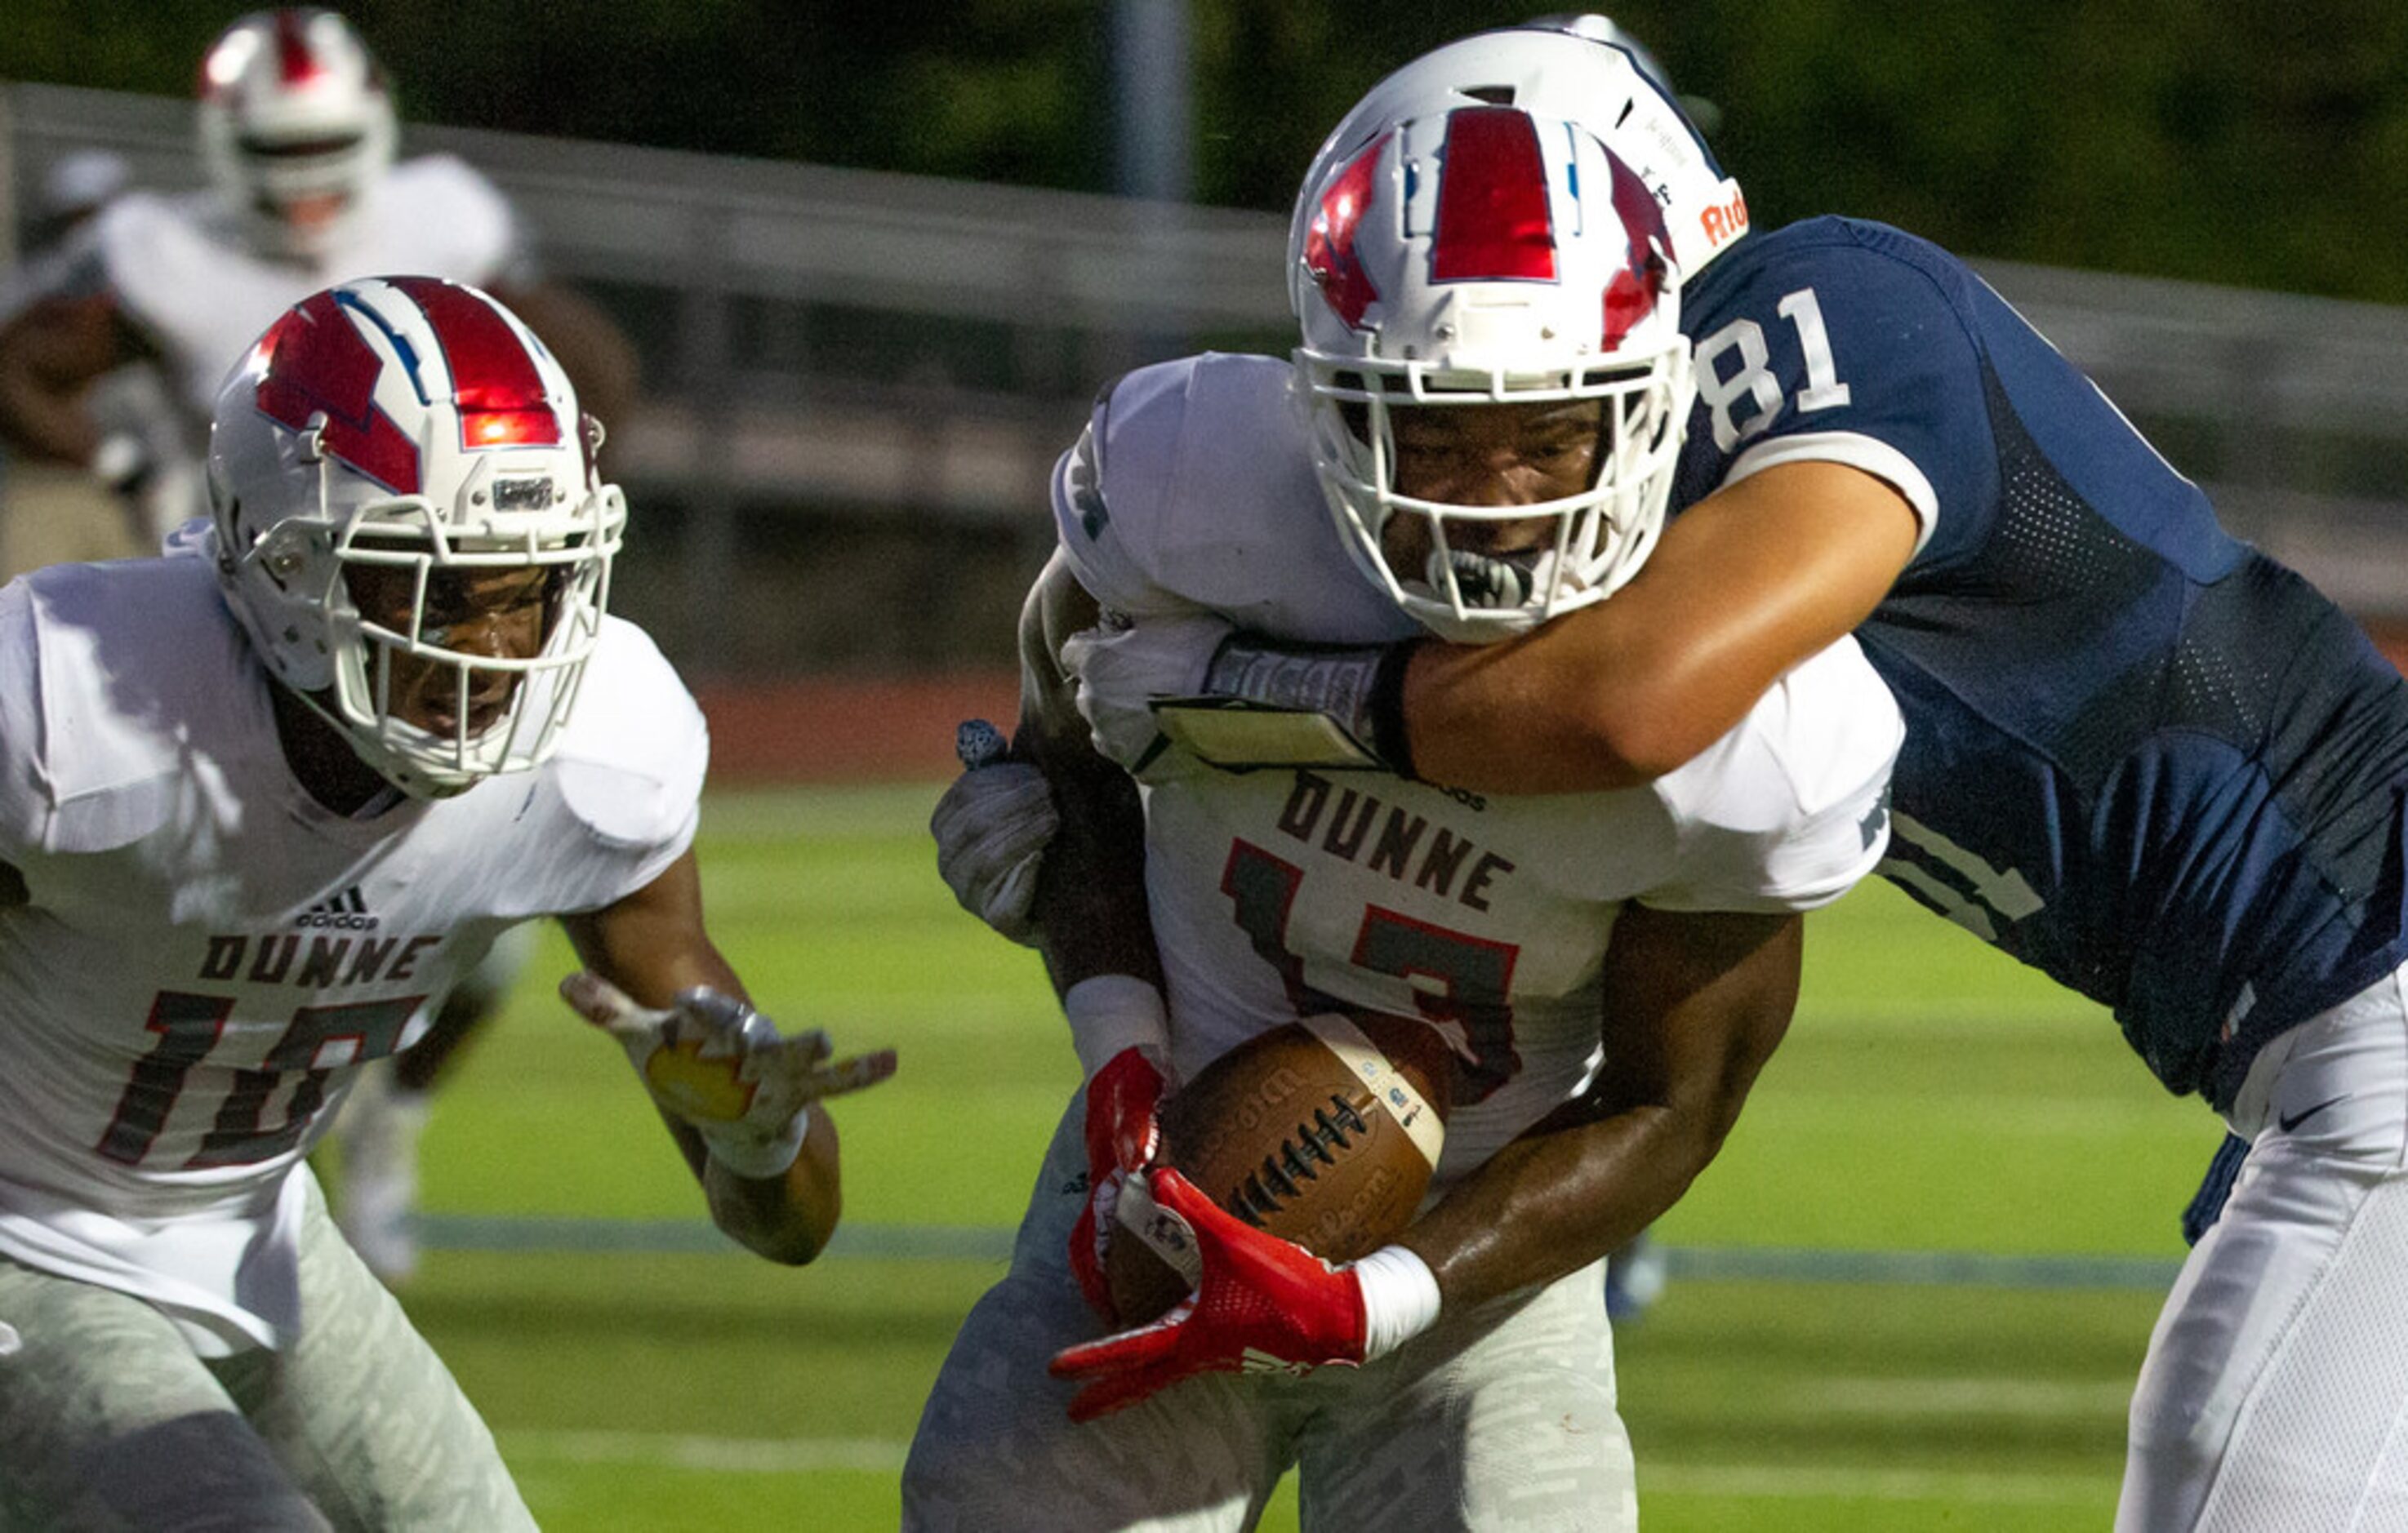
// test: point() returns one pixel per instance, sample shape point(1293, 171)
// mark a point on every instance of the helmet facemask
point(1438, 559)
point(302, 196)
point(394, 583)
point(493, 711)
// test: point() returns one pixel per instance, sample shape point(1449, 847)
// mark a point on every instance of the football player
point(297, 131)
point(297, 128)
point(1496, 377)
point(2140, 756)
point(262, 798)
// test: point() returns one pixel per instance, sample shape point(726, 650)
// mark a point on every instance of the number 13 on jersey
point(1461, 981)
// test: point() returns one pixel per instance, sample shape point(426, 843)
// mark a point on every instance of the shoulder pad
point(632, 761)
point(1838, 340)
point(1790, 809)
point(457, 222)
point(1108, 491)
point(1193, 486)
point(124, 672)
point(154, 249)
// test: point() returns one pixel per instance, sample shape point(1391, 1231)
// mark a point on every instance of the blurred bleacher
point(855, 382)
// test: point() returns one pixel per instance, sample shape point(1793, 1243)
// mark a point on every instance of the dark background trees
point(2260, 145)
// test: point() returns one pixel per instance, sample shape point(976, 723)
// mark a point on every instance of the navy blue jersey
point(2141, 755)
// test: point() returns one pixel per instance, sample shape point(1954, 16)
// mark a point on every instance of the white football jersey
point(205, 956)
point(182, 272)
point(1274, 893)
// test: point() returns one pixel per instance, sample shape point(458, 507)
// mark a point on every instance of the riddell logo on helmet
point(1725, 221)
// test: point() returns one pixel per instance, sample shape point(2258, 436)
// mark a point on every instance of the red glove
point(1123, 1131)
point(1263, 1306)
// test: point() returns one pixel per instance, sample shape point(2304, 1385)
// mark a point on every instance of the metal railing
point(859, 345)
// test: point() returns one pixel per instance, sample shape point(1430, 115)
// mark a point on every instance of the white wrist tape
point(1109, 1012)
point(1400, 1298)
point(753, 1159)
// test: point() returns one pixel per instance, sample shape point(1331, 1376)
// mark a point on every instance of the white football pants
point(2275, 1395)
point(107, 1419)
point(1500, 1417)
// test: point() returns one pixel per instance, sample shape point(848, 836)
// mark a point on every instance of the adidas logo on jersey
point(347, 911)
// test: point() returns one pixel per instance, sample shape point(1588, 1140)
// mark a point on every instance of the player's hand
point(992, 827)
point(712, 1061)
point(1263, 1305)
point(1124, 1132)
point(1122, 665)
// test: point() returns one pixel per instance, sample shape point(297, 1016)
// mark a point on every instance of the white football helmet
point(295, 126)
point(1579, 68)
point(1480, 256)
point(1707, 115)
point(417, 426)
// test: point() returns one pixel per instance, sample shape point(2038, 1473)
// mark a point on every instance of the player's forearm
point(1091, 891)
point(1604, 698)
point(1507, 719)
point(1696, 1003)
point(1553, 1202)
point(1744, 586)
point(1091, 901)
point(50, 355)
point(787, 1218)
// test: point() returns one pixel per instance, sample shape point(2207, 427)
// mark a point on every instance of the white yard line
point(1955, 1487)
point(718, 1454)
point(2047, 1399)
point(1758, 1482)
point(548, 1235)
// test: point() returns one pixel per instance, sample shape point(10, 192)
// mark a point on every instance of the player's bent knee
point(206, 1472)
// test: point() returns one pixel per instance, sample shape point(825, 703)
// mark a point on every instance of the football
point(1323, 1131)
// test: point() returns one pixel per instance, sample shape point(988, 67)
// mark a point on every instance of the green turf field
point(1932, 1098)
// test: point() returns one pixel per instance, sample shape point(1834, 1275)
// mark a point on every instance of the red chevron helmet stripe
point(296, 62)
point(1329, 244)
point(493, 380)
point(1493, 219)
point(317, 366)
point(1631, 296)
